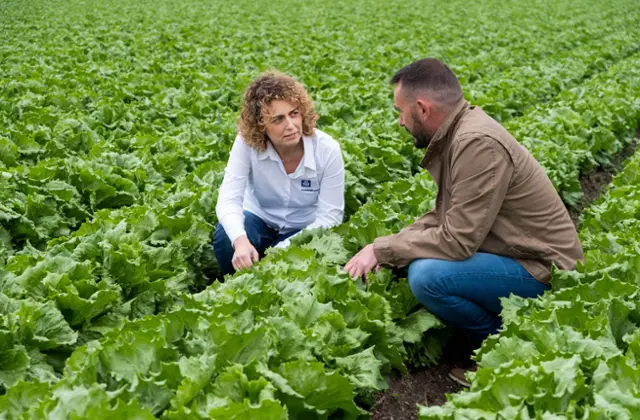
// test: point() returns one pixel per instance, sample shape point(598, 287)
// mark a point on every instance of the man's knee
point(425, 278)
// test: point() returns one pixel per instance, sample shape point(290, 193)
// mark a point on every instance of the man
point(498, 224)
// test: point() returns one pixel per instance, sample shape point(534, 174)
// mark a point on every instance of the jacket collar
point(442, 135)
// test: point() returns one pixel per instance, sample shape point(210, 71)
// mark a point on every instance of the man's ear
point(424, 108)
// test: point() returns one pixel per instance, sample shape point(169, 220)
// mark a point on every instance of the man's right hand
point(245, 254)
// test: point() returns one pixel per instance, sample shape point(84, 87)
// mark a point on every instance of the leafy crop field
point(116, 121)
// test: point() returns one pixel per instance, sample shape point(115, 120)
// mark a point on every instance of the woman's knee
point(223, 249)
point(220, 238)
point(257, 232)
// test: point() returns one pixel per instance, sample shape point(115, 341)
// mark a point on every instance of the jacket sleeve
point(481, 170)
point(428, 220)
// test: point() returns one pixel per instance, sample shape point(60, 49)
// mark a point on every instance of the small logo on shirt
point(306, 183)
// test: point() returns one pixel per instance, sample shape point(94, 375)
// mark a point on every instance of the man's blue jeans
point(259, 234)
point(466, 294)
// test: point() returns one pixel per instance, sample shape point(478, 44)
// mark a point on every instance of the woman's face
point(283, 123)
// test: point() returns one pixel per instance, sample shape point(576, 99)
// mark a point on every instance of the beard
point(421, 138)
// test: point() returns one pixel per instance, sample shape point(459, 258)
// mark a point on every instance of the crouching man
point(498, 224)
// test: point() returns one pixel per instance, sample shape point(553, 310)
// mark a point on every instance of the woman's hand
point(245, 254)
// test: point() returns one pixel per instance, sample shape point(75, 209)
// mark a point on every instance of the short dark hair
point(433, 76)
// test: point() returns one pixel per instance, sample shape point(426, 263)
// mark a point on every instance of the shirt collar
point(309, 160)
point(269, 153)
point(309, 153)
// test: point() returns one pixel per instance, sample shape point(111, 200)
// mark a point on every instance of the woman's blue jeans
point(466, 294)
point(259, 234)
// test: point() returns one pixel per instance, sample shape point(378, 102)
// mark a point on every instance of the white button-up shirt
point(312, 196)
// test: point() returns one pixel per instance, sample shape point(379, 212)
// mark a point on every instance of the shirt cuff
point(233, 224)
point(234, 234)
point(383, 250)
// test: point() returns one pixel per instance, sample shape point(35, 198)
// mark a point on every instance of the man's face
point(409, 118)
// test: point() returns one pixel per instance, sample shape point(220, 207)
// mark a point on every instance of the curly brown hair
point(270, 86)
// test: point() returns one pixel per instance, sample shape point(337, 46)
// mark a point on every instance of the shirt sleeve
point(481, 171)
point(231, 193)
point(331, 197)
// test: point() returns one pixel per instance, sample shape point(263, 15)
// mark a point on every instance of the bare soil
point(595, 182)
point(425, 386)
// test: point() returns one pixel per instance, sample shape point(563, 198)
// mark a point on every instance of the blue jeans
point(466, 294)
point(259, 234)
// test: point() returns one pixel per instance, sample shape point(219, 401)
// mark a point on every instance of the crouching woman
point(283, 174)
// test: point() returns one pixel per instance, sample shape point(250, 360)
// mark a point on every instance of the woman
point(283, 174)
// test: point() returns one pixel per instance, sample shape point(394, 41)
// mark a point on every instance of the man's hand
point(363, 262)
point(245, 254)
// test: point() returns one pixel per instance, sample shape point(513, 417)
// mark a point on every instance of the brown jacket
point(493, 196)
